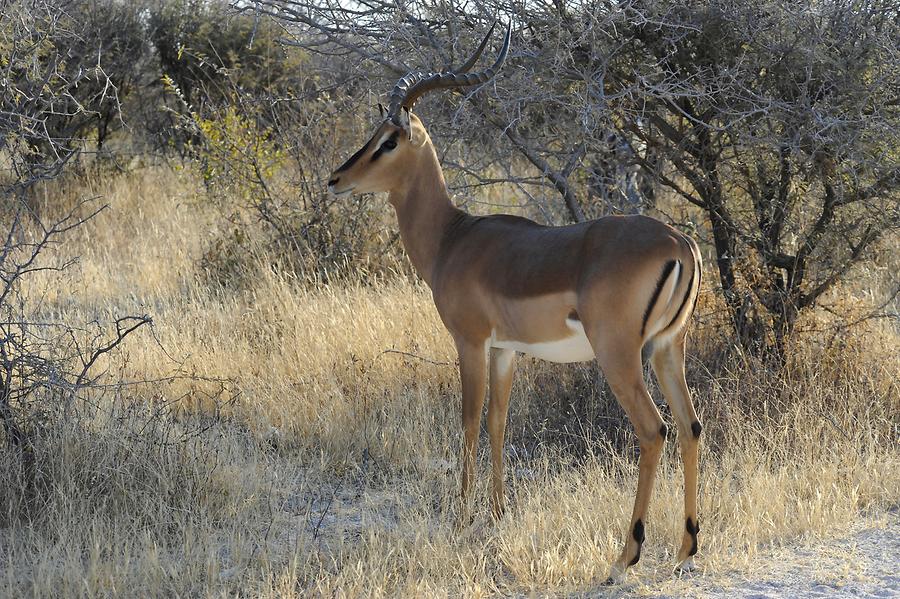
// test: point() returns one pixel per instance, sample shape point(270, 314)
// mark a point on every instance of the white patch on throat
point(574, 348)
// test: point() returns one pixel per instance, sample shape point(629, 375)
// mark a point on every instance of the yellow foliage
point(237, 154)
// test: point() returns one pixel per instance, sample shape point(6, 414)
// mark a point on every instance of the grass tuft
point(303, 441)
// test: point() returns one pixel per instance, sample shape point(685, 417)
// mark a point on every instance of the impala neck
point(424, 211)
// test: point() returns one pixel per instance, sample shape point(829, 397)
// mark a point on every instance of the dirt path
point(864, 564)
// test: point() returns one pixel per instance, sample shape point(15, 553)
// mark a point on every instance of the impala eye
point(386, 146)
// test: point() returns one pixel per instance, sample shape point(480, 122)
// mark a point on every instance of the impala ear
point(403, 121)
point(414, 129)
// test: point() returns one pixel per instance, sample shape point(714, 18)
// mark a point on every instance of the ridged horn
point(414, 85)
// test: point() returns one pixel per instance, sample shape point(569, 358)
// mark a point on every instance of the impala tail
point(675, 297)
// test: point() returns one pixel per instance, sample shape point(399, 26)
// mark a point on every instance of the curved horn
point(414, 85)
point(474, 58)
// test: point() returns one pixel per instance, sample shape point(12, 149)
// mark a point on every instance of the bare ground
point(865, 563)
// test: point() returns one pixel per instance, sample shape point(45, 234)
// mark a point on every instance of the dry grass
point(333, 471)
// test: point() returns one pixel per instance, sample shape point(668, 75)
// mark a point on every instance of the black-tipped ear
point(404, 122)
point(382, 109)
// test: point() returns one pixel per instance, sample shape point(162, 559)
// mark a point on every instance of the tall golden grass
point(302, 440)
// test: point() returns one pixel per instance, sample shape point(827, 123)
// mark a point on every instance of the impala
point(504, 285)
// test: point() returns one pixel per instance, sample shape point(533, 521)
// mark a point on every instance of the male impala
point(504, 284)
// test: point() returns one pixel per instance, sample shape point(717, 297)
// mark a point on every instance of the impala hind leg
point(668, 364)
point(502, 366)
point(622, 369)
point(472, 366)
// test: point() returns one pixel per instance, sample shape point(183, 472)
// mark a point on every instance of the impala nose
point(332, 188)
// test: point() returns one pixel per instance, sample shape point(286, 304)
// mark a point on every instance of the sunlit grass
point(329, 466)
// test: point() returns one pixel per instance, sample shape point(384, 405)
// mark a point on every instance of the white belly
point(574, 348)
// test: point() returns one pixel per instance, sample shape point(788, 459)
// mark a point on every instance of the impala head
point(390, 156)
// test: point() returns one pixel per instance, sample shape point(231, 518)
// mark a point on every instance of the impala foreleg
point(625, 377)
point(472, 366)
point(502, 366)
point(668, 364)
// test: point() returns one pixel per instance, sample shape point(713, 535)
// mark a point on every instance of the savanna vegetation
point(216, 380)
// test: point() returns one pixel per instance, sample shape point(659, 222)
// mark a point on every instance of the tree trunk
point(748, 327)
point(14, 436)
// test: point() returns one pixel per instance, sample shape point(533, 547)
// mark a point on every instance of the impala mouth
point(340, 194)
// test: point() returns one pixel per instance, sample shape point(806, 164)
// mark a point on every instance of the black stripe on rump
point(684, 300)
point(352, 160)
point(667, 270)
point(699, 282)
